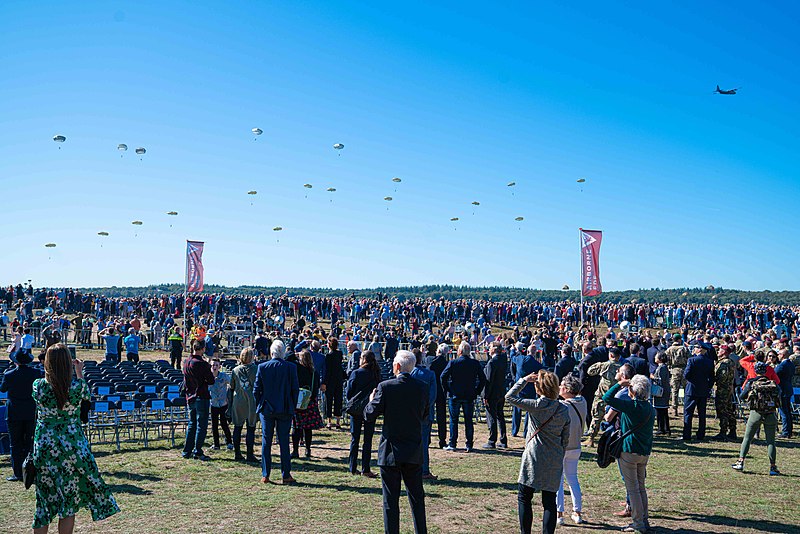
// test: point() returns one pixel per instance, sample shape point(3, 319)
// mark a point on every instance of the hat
point(760, 368)
point(747, 345)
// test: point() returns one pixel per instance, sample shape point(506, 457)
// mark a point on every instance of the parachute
point(122, 147)
point(59, 139)
point(338, 146)
point(476, 203)
point(396, 180)
point(454, 219)
point(137, 223)
point(388, 199)
point(277, 229)
point(104, 234)
point(172, 213)
point(565, 288)
point(50, 245)
point(252, 192)
point(519, 219)
point(308, 186)
point(511, 184)
point(256, 132)
point(581, 180)
point(140, 152)
point(331, 190)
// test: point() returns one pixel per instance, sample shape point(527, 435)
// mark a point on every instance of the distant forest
point(495, 293)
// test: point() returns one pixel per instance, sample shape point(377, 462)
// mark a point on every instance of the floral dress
point(67, 478)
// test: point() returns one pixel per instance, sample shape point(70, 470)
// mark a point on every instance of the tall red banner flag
point(194, 266)
point(590, 262)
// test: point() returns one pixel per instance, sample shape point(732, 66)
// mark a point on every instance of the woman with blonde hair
point(309, 419)
point(243, 405)
point(67, 478)
point(546, 440)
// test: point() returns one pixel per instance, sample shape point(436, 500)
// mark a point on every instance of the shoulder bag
point(609, 447)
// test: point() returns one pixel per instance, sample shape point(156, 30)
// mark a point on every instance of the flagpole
point(580, 243)
point(185, 296)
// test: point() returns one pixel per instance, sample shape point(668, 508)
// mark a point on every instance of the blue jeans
point(197, 428)
point(456, 405)
point(516, 419)
point(786, 415)
point(269, 425)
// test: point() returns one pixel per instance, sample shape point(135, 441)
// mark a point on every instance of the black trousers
point(662, 417)
point(411, 475)
point(175, 360)
point(301, 433)
point(218, 416)
point(21, 434)
point(496, 418)
point(333, 395)
point(525, 510)
point(356, 424)
point(249, 439)
point(441, 419)
point(689, 406)
point(133, 356)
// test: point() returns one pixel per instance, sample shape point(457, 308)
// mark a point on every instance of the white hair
point(443, 350)
point(277, 350)
point(640, 387)
point(406, 360)
point(352, 344)
point(464, 349)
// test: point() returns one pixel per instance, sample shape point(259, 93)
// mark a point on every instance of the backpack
point(764, 396)
point(609, 447)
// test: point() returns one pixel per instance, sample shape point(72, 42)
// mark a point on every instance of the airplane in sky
point(726, 91)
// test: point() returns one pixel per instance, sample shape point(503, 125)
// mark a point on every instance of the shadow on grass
point(723, 521)
point(507, 486)
point(129, 489)
point(132, 476)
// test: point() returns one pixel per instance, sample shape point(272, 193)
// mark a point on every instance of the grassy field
point(692, 490)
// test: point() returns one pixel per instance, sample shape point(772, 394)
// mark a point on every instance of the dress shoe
point(369, 474)
point(430, 476)
point(265, 480)
point(289, 480)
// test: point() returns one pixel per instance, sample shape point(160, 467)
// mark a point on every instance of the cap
point(760, 368)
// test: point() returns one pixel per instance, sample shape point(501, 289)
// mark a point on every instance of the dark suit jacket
point(18, 383)
point(699, 374)
point(403, 402)
point(276, 388)
point(437, 366)
point(495, 371)
point(564, 366)
point(463, 378)
point(527, 364)
point(590, 383)
point(640, 365)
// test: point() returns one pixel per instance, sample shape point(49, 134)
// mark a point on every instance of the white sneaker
point(577, 519)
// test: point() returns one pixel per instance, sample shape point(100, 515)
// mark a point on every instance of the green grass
point(692, 489)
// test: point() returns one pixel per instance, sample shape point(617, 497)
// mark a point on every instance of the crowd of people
point(566, 384)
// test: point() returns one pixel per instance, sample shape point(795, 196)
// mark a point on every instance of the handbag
point(28, 471)
point(535, 432)
point(356, 405)
point(303, 399)
point(609, 447)
point(656, 390)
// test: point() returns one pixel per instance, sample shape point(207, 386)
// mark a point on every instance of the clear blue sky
point(457, 100)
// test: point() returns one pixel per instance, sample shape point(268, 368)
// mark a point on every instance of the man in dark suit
point(276, 390)
point(463, 380)
point(21, 410)
point(494, 396)
point(403, 402)
point(437, 365)
point(639, 364)
point(699, 374)
point(592, 356)
point(525, 365)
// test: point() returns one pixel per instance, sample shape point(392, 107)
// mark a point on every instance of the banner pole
point(185, 296)
point(580, 256)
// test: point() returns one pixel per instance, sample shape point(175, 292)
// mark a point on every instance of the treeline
point(495, 293)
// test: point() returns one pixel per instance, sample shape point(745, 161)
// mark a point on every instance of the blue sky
point(456, 99)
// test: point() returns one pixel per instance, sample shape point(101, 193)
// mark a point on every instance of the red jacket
point(748, 363)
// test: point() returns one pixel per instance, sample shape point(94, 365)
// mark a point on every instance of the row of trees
point(496, 293)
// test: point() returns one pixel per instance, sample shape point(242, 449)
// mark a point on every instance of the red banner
point(590, 262)
point(194, 266)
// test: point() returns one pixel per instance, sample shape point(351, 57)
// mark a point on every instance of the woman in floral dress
point(67, 478)
point(309, 419)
